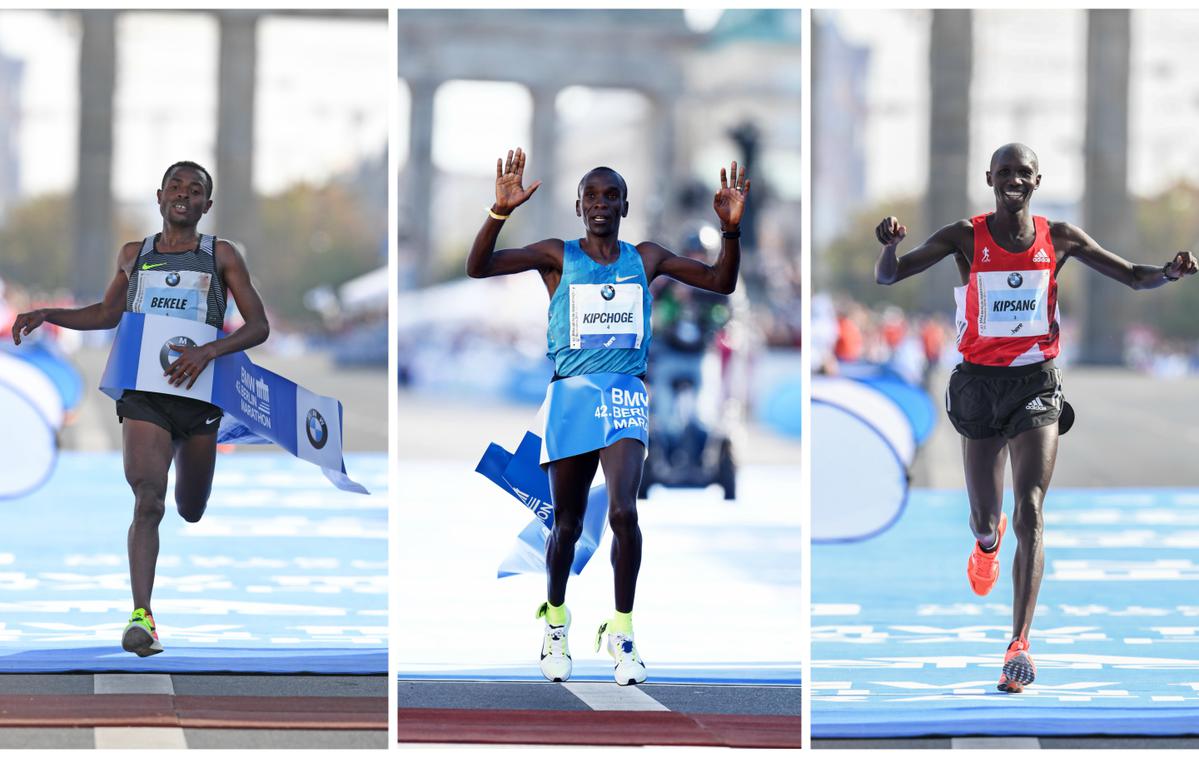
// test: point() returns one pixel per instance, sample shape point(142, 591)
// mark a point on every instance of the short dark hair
point(624, 188)
point(195, 167)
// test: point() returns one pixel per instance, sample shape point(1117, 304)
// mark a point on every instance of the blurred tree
point(37, 252)
point(312, 236)
point(849, 260)
point(1165, 224)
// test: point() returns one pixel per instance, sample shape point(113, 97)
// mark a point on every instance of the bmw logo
point(172, 278)
point(167, 356)
point(1014, 279)
point(608, 292)
point(317, 429)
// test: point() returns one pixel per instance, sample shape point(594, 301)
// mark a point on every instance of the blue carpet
point(914, 652)
point(284, 574)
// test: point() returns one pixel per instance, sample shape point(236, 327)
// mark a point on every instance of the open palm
point(510, 191)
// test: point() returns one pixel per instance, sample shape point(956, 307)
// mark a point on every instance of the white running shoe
point(555, 650)
point(629, 668)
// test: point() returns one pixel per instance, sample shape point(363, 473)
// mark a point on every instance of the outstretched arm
point(889, 269)
point(510, 193)
point(102, 315)
point(721, 276)
point(192, 360)
point(1071, 241)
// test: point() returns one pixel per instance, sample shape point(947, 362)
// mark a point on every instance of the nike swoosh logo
point(148, 266)
point(620, 279)
point(209, 421)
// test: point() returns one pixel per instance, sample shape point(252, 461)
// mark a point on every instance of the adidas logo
point(1035, 405)
point(1041, 257)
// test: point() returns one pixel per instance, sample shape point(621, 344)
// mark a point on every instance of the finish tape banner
point(520, 476)
point(260, 406)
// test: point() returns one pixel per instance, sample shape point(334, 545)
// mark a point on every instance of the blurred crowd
point(915, 345)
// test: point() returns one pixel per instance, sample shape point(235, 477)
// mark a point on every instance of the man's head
point(186, 193)
point(603, 201)
point(1014, 174)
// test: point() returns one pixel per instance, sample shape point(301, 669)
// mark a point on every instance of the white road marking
point(123, 737)
point(984, 743)
point(134, 684)
point(603, 696)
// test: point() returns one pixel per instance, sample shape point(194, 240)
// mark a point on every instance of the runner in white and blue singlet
point(596, 408)
point(181, 274)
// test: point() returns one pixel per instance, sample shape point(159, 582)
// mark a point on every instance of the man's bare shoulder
point(128, 255)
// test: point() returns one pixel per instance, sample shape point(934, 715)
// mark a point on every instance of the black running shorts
point(983, 401)
point(183, 417)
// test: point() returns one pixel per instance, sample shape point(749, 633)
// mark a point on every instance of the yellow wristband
point(496, 216)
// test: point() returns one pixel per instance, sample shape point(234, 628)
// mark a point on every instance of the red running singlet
point(1007, 312)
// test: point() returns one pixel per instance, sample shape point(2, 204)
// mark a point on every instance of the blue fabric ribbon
point(520, 476)
point(260, 406)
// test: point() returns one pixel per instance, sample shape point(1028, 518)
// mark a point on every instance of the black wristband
point(733, 235)
point(1167, 276)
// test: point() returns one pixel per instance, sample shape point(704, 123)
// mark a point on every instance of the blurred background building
point(288, 109)
point(1102, 96)
point(667, 98)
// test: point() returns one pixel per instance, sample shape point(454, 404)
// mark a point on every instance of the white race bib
point(180, 294)
point(1013, 303)
point(606, 316)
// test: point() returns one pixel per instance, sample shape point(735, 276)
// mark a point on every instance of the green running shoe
point(555, 649)
point(140, 636)
point(629, 668)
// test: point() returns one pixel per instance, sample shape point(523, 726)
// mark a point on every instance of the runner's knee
point(1028, 520)
point(622, 520)
point(567, 528)
point(149, 499)
point(191, 509)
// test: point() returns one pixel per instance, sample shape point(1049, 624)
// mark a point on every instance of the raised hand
point(729, 202)
point(26, 323)
point(1184, 264)
point(890, 232)
point(510, 191)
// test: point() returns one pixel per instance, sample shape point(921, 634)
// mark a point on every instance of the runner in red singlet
point(1005, 398)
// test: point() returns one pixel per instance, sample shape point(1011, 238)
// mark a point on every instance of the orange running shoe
point(1018, 669)
point(983, 568)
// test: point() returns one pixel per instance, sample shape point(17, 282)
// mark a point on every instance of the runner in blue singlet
point(596, 408)
point(182, 274)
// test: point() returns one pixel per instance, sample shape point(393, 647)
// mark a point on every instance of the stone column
point(234, 203)
point(416, 182)
point(1107, 209)
point(950, 64)
point(95, 248)
point(662, 209)
point(543, 157)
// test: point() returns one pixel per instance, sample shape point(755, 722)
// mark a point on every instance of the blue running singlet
point(599, 317)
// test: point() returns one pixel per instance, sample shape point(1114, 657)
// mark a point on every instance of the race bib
point(1013, 303)
point(605, 316)
point(179, 294)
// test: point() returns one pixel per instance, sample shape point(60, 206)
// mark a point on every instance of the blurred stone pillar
point(1107, 209)
point(416, 186)
point(950, 70)
point(95, 248)
point(543, 162)
point(661, 209)
point(234, 201)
